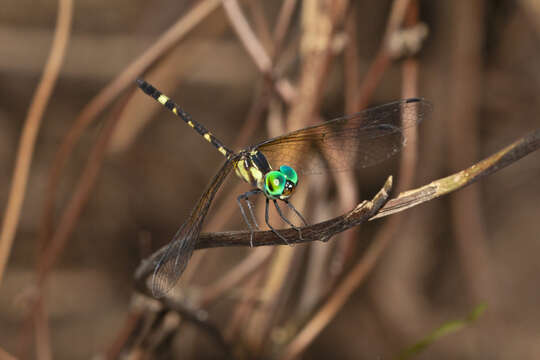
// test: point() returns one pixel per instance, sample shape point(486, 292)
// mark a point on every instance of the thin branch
point(249, 298)
point(468, 216)
point(132, 321)
point(321, 231)
point(5, 355)
point(81, 194)
point(255, 49)
point(235, 276)
point(459, 180)
point(347, 193)
point(199, 319)
point(282, 25)
point(149, 324)
point(384, 57)
point(247, 37)
point(351, 61)
point(31, 128)
point(42, 331)
point(69, 219)
point(261, 23)
point(531, 9)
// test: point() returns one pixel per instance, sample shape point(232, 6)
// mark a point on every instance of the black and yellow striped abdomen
point(198, 127)
point(250, 165)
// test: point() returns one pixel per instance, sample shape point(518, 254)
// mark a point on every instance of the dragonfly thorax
point(253, 168)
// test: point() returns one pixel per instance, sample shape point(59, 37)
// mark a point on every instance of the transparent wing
point(173, 262)
point(355, 141)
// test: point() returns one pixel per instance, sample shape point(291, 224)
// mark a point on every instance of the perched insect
point(359, 140)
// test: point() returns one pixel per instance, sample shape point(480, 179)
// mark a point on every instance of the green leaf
point(446, 329)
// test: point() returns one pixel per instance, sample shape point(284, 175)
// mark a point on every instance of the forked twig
point(446, 185)
point(368, 210)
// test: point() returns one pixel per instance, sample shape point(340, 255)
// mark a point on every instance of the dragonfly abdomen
point(175, 109)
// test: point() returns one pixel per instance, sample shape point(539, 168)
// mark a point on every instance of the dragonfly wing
point(174, 260)
point(356, 141)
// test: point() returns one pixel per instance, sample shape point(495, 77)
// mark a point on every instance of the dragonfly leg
point(271, 227)
point(296, 212)
point(287, 220)
point(250, 206)
point(251, 226)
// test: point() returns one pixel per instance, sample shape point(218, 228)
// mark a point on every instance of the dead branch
point(368, 210)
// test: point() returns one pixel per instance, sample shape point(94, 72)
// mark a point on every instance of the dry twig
point(31, 128)
point(374, 209)
point(321, 231)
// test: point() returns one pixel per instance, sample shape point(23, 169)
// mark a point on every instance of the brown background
point(480, 69)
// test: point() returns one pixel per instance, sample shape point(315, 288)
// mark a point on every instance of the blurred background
point(113, 175)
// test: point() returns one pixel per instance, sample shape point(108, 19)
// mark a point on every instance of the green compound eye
point(289, 173)
point(274, 183)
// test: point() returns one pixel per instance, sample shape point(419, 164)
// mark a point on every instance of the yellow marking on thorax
point(162, 99)
point(242, 172)
point(256, 173)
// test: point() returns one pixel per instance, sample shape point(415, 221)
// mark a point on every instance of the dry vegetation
point(95, 177)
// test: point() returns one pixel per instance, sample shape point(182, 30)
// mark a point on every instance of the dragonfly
point(356, 141)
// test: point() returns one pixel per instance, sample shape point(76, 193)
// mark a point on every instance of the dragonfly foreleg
point(245, 197)
point(266, 218)
point(296, 212)
point(287, 220)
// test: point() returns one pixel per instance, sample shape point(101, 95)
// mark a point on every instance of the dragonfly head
point(280, 184)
